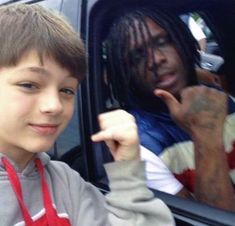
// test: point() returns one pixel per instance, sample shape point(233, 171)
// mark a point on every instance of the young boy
point(42, 61)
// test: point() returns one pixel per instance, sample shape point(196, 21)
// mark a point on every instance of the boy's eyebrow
point(39, 70)
point(43, 71)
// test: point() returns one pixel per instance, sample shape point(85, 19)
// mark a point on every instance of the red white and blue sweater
point(169, 143)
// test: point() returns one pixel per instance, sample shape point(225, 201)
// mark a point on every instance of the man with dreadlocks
point(151, 61)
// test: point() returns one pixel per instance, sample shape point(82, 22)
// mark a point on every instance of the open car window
point(98, 29)
point(219, 33)
point(210, 51)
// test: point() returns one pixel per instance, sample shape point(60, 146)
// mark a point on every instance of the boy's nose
point(51, 103)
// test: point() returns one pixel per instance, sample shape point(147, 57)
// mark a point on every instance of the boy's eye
point(68, 91)
point(28, 85)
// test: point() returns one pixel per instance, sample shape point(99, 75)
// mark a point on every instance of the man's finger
point(171, 102)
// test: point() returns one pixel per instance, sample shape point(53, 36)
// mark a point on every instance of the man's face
point(164, 67)
point(36, 103)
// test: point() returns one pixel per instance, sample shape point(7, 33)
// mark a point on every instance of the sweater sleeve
point(158, 176)
point(130, 202)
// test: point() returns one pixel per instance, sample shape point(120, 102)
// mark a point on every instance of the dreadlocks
point(120, 68)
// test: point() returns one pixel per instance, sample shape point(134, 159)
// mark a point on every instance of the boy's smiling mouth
point(45, 129)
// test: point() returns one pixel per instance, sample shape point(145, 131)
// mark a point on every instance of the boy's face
point(36, 103)
point(164, 67)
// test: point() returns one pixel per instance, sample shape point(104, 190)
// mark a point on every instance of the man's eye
point(162, 41)
point(68, 91)
point(137, 55)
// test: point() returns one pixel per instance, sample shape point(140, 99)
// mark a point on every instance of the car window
point(64, 7)
point(54, 5)
point(211, 55)
point(98, 29)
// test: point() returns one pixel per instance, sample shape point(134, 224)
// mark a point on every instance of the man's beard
point(145, 98)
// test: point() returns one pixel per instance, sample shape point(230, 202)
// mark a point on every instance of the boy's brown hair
point(32, 27)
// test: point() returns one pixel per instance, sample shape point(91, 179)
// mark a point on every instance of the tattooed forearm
point(213, 185)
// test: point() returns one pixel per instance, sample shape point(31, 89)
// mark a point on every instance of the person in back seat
point(151, 61)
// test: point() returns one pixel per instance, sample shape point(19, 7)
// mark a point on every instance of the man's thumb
point(171, 102)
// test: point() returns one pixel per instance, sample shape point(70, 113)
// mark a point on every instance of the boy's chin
point(40, 148)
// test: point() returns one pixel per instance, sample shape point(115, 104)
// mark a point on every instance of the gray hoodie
point(130, 202)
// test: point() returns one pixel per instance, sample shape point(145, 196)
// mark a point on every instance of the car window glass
point(211, 55)
point(54, 5)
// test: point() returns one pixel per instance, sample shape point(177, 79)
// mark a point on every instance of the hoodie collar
point(30, 167)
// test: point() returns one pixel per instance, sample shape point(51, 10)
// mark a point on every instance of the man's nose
point(155, 58)
point(51, 103)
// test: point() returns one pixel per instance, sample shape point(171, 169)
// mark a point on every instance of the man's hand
point(119, 132)
point(202, 112)
point(201, 109)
